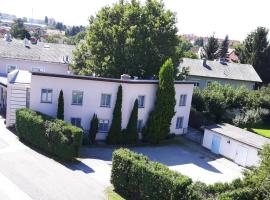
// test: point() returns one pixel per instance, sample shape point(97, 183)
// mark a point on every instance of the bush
point(134, 176)
point(93, 129)
point(245, 193)
point(51, 135)
point(196, 119)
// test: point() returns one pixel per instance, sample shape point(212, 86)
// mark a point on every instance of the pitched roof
point(39, 52)
point(239, 134)
point(216, 69)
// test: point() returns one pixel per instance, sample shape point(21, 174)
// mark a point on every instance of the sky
point(200, 17)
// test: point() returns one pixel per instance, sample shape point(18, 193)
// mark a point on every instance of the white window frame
point(10, 65)
point(76, 103)
point(179, 126)
point(105, 106)
point(141, 106)
point(76, 118)
point(41, 100)
point(185, 102)
point(40, 69)
point(102, 121)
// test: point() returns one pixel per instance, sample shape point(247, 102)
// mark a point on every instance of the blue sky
point(201, 17)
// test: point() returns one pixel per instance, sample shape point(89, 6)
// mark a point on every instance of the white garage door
point(241, 155)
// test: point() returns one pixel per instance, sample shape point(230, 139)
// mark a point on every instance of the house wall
point(236, 83)
point(28, 65)
point(92, 91)
point(228, 148)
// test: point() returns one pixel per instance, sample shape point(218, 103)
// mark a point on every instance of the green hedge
point(51, 135)
point(134, 176)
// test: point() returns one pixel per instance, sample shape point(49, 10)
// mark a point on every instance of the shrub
point(60, 108)
point(93, 128)
point(198, 101)
point(114, 134)
point(196, 119)
point(134, 176)
point(53, 136)
point(245, 193)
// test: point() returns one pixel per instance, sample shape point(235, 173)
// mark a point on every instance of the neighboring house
point(203, 72)
point(21, 55)
point(232, 57)
point(232, 142)
point(86, 95)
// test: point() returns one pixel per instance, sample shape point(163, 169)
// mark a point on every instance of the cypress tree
point(131, 133)
point(158, 124)
point(114, 134)
point(93, 128)
point(60, 108)
point(210, 50)
point(223, 49)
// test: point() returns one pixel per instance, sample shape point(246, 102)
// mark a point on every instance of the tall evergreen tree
point(158, 124)
point(114, 134)
point(210, 49)
point(223, 49)
point(255, 51)
point(60, 108)
point(93, 128)
point(131, 133)
point(46, 20)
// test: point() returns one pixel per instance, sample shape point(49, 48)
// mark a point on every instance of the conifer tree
point(60, 108)
point(131, 131)
point(93, 128)
point(223, 49)
point(210, 49)
point(158, 124)
point(114, 134)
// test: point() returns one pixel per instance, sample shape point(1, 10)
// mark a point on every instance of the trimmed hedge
point(134, 176)
point(51, 135)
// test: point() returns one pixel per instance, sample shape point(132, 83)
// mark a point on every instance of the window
point(103, 125)
point(105, 100)
point(75, 121)
point(46, 96)
point(196, 84)
point(141, 101)
point(179, 122)
point(27, 97)
point(10, 68)
point(77, 97)
point(140, 125)
point(208, 83)
point(183, 99)
point(37, 69)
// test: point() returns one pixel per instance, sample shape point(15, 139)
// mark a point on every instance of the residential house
point(204, 72)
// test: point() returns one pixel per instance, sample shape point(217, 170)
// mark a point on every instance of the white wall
point(229, 149)
point(28, 65)
point(92, 97)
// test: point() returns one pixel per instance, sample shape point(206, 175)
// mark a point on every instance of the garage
point(234, 143)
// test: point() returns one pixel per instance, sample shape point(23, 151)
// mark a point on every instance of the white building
point(84, 96)
point(232, 142)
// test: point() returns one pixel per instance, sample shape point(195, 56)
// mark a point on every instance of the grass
point(262, 129)
point(112, 195)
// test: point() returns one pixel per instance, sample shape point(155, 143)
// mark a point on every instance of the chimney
point(125, 77)
point(204, 61)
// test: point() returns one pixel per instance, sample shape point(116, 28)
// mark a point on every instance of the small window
point(105, 100)
point(183, 99)
point(46, 96)
point(179, 122)
point(75, 121)
point(141, 101)
point(208, 83)
point(140, 125)
point(196, 84)
point(37, 69)
point(103, 125)
point(10, 68)
point(77, 97)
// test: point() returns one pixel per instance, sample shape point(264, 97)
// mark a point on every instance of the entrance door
point(241, 155)
point(215, 144)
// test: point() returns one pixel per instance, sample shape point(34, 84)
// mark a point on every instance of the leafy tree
point(158, 124)
point(210, 49)
point(223, 49)
point(52, 39)
point(93, 128)
point(131, 38)
point(18, 30)
point(131, 133)
point(190, 54)
point(46, 20)
point(184, 44)
point(75, 40)
point(199, 42)
point(81, 57)
point(60, 108)
point(114, 134)
point(255, 50)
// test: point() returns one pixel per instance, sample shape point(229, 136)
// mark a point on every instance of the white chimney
point(125, 77)
point(204, 61)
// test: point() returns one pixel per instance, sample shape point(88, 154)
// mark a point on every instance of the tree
point(223, 49)
point(60, 108)
point(46, 20)
point(199, 42)
point(131, 133)
point(93, 128)
point(114, 134)
point(130, 38)
point(18, 30)
point(190, 54)
point(210, 49)
point(158, 124)
point(255, 50)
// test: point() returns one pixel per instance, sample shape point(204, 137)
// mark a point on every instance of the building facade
point(84, 96)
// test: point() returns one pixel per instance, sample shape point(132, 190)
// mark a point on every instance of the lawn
point(112, 195)
point(262, 129)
